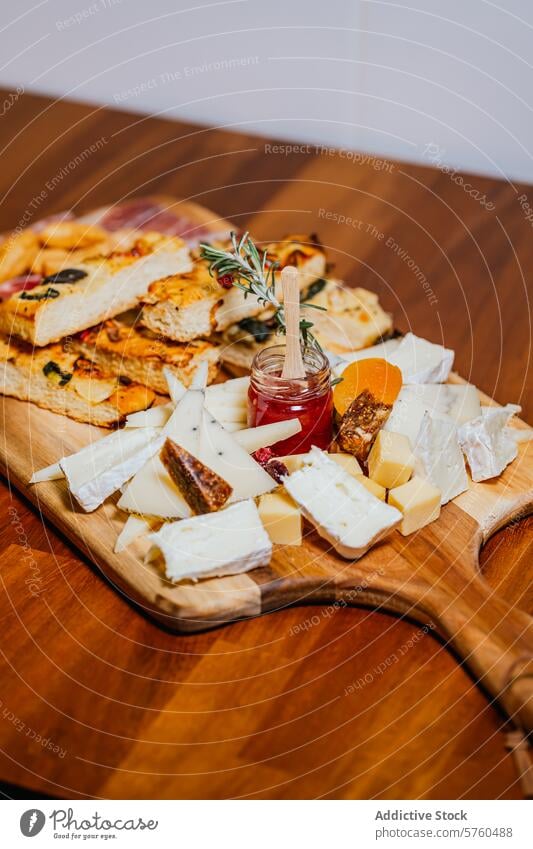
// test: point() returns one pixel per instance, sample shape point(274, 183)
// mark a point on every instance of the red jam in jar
point(272, 398)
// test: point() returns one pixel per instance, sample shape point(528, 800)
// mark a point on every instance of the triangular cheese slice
point(220, 452)
point(152, 492)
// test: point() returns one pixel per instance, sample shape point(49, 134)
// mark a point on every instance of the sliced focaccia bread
point(98, 288)
point(121, 346)
point(62, 381)
point(352, 319)
point(194, 305)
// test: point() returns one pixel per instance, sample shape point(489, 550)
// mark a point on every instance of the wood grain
point(279, 706)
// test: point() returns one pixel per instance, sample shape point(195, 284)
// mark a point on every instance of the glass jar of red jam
point(272, 398)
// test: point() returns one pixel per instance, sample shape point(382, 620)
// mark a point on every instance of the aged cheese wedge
point(253, 438)
point(419, 502)
point(222, 453)
point(343, 511)
point(104, 466)
point(228, 542)
point(134, 527)
point(373, 487)
point(486, 443)
point(439, 457)
point(390, 462)
point(154, 417)
point(421, 361)
point(348, 463)
point(49, 473)
point(281, 517)
point(152, 491)
point(203, 490)
point(458, 401)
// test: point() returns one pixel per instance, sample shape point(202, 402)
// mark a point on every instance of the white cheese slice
point(439, 456)
point(220, 452)
point(343, 511)
point(459, 401)
point(519, 434)
point(237, 387)
point(176, 389)
point(134, 527)
point(49, 473)
point(104, 466)
point(227, 411)
point(152, 492)
point(253, 438)
point(486, 442)
point(227, 542)
point(382, 350)
point(233, 427)
point(421, 361)
point(406, 417)
point(154, 417)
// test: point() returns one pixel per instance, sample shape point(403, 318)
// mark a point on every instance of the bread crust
point(192, 306)
point(111, 283)
point(121, 346)
point(58, 379)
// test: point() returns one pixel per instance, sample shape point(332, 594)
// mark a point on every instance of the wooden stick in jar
point(293, 367)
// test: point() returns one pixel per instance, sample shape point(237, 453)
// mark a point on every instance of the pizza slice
point(123, 347)
point(193, 305)
point(58, 379)
point(93, 290)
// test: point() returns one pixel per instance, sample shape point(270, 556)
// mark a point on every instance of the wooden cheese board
point(432, 576)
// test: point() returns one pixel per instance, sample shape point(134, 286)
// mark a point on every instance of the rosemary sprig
point(250, 271)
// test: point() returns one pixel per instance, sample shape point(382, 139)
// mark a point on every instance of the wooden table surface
point(96, 701)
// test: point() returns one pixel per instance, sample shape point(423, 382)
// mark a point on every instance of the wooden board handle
point(495, 641)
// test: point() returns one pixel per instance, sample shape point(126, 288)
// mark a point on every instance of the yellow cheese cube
point(419, 501)
point(373, 487)
point(390, 462)
point(293, 462)
point(281, 517)
point(348, 463)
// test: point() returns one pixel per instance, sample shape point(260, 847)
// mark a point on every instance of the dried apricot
point(382, 379)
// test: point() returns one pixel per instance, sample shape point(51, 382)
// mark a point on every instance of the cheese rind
point(418, 501)
point(104, 466)
point(342, 510)
point(439, 458)
point(219, 451)
point(281, 518)
point(458, 401)
point(487, 445)
point(152, 492)
point(390, 462)
point(228, 542)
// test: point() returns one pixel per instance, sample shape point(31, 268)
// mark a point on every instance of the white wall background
point(381, 76)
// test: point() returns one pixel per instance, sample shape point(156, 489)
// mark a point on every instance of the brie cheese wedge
point(342, 510)
point(104, 466)
point(458, 401)
point(487, 444)
point(421, 361)
point(228, 542)
point(439, 456)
